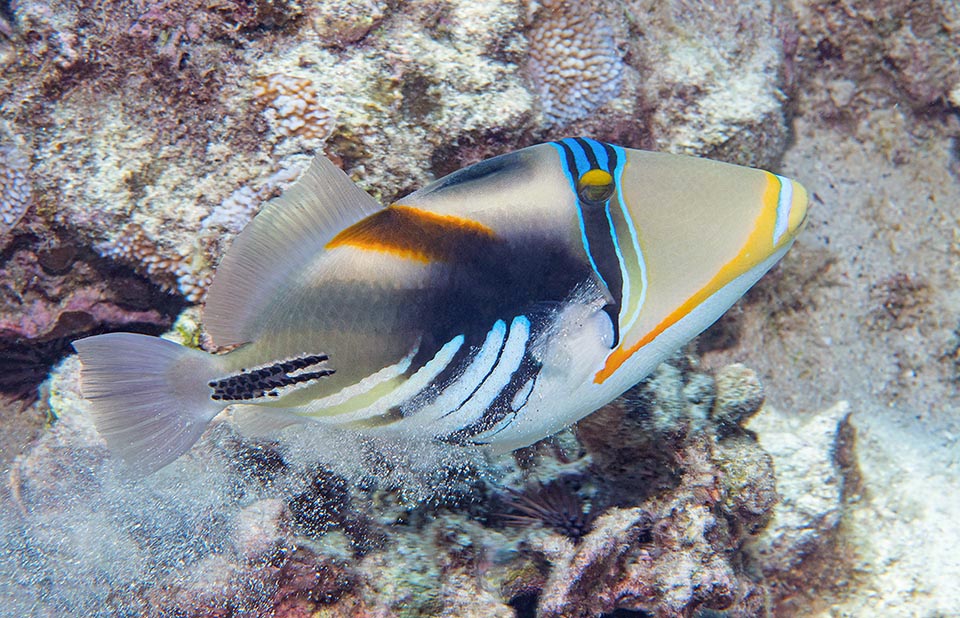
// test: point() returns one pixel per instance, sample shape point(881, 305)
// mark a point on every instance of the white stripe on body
point(460, 389)
point(323, 405)
point(405, 390)
point(784, 202)
point(473, 409)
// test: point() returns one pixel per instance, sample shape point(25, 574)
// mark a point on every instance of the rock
point(739, 397)
point(808, 455)
point(257, 528)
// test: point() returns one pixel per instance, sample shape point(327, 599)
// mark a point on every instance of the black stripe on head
point(588, 152)
point(611, 158)
point(597, 229)
point(571, 163)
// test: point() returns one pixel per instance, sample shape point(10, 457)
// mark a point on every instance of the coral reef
point(249, 527)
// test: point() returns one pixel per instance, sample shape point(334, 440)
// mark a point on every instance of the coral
point(341, 22)
point(652, 420)
point(134, 247)
point(686, 498)
point(53, 292)
point(739, 397)
point(573, 62)
point(666, 557)
point(712, 77)
point(15, 186)
point(291, 106)
point(746, 493)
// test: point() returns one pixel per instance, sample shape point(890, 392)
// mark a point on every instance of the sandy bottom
point(868, 307)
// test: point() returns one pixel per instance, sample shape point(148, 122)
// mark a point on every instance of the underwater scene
point(492, 308)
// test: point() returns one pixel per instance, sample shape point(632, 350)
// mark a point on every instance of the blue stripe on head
point(621, 156)
point(579, 155)
point(587, 154)
point(600, 152)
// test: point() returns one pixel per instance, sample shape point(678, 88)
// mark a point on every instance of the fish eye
point(595, 186)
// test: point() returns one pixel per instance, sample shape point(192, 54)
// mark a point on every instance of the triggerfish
point(494, 306)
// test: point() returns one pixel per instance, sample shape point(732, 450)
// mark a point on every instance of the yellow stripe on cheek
point(757, 248)
point(413, 234)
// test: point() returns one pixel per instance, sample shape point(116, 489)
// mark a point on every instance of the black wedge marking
point(501, 407)
point(265, 381)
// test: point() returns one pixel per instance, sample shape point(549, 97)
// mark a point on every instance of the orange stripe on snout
point(757, 248)
point(413, 234)
point(619, 356)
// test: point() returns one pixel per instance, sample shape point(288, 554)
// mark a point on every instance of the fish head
point(676, 239)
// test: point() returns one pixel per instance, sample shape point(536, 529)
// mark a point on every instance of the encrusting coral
point(292, 107)
point(15, 186)
point(573, 62)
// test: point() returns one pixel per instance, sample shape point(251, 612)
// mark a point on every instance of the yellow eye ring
point(595, 186)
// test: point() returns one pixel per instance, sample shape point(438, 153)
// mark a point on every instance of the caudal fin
point(149, 396)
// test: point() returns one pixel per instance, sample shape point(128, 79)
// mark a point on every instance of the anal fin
point(256, 422)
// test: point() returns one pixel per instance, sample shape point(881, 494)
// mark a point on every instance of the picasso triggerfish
point(494, 306)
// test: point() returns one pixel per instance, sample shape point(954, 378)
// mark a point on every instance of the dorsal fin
point(288, 233)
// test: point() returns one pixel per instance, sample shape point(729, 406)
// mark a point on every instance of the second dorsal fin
point(287, 233)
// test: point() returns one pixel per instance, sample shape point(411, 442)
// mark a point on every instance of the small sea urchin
point(554, 505)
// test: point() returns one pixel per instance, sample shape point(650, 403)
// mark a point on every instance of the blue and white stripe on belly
point(468, 397)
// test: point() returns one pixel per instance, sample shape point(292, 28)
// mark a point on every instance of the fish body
point(494, 306)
